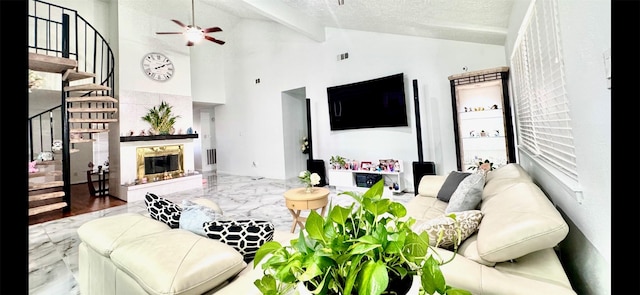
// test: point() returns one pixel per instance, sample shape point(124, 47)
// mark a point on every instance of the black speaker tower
point(316, 166)
point(420, 168)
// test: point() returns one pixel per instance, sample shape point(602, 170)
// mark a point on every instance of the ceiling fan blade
point(214, 40)
point(168, 33)
point(212, 29)
point(179, 23)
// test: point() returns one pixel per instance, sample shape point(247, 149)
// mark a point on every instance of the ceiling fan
point(193, 33)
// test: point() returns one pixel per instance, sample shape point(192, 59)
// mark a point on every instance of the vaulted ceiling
point(462, 20)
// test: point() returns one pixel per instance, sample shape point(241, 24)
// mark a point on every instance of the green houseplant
point(337, 161)
point(161, 118)
point(361, 249)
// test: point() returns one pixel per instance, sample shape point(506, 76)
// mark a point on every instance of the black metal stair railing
point(61, 32)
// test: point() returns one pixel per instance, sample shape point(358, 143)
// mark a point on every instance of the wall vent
point(211, 157)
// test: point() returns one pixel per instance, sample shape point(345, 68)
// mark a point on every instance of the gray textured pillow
point(468, 194)
point(450, 185)
point(194, 216)
point(468, 224)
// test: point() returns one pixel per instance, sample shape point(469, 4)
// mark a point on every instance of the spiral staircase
point(64, 43)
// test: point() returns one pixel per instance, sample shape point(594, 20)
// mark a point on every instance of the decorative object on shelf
point(337, 162)
point(482, 133)
point(57, 145)
point(161, 118)
point(32, 167)
point(356, 250)
point(45, 156)
point(486, 166)
point(34, 80)
point(305, 145)
point(309, 179)
point(189, 130)
point(365, 166)
point(494, 107)
point(90, 165)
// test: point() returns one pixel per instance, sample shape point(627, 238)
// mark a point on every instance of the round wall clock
point(157, 66)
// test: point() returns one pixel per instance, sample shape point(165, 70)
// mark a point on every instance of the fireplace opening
point(160, 162)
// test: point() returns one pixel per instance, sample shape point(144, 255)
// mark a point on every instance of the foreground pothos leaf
point(373, 278)
point(431, 278)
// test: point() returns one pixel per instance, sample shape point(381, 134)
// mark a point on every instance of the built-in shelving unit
point(482, 118)
point(347, 180)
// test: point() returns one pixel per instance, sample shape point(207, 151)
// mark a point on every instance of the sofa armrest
point(430, 185)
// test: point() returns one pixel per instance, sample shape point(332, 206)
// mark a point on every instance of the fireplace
point(159, 162)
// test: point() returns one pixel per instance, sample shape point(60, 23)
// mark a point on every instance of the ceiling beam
point(289, 17)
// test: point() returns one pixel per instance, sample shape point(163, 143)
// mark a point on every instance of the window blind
point(541, 103)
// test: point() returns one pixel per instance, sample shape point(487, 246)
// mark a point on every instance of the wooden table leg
point(296, 216)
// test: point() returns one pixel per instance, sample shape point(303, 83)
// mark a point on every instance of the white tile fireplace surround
point(134, 105)
point(129, 169)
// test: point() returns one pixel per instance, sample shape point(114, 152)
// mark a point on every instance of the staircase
point(87, 102)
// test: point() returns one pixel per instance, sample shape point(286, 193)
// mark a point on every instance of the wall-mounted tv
point(368, 104)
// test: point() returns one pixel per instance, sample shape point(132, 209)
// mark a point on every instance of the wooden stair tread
point(81, 140)
point(50, 64)
point(44, 185)
point(45, 173)
point(87, 87)
point(92, 120)
point(88, 130)
point(92, 110)
point(91, 99)
point(74, 75)
point(46, 208)
point(46, 196)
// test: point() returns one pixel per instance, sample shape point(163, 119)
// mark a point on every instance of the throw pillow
point(246, 236)
point(163, 210)
point(468, 194)
point(468, 221)
point(450, 185)
point(194, 216)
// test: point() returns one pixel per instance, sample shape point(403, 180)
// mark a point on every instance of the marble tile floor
point(53, 245)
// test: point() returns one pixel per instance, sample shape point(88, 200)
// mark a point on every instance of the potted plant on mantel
point(161, 119)
point(366, 248)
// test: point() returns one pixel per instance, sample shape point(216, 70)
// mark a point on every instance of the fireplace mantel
point(157, 137)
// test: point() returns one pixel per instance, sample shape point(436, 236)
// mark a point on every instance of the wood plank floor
point(81, 202)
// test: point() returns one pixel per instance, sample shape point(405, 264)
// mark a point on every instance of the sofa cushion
point(107, 233)
point(163, 210)
point(424, 208)
point(178, 262)
point(468, 194)
point(451, 184)
point(468, 223)
point(194, 216)
point(518, 221)
point(246, 236)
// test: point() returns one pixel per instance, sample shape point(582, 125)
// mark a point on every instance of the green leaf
point(352, 273)
point(378, 207)
point(264, 250)
point(339, 214)
point(372, 278)
point(375, 191)
point(431, 278)
point(456, 291)
point(314, 226)
point(361, 248)
point(397, 209)
point(266, 285)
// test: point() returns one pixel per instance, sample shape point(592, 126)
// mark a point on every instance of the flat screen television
point(368, 104)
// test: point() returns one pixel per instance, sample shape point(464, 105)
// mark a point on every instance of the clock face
point(157, 66)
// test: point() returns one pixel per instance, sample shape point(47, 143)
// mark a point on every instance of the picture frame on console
point(365, 166)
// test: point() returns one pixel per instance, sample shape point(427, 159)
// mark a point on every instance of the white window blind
point(541, 103)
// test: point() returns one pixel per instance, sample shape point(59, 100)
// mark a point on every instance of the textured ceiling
point(462, 20)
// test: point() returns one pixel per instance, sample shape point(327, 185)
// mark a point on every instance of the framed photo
point(365, 165)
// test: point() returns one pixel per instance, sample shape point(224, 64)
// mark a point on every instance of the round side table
point(297, 200)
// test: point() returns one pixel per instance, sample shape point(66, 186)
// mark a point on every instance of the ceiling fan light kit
point(193, 33)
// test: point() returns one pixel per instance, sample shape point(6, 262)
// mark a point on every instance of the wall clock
point(157, 66)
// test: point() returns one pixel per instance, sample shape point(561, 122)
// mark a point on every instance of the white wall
point(249, 123)
point(585, 33)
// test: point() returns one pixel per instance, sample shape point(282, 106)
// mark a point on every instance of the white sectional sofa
point(512, 251)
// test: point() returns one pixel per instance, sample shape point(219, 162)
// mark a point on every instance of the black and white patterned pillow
point(246, 236)
point(163, 210)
